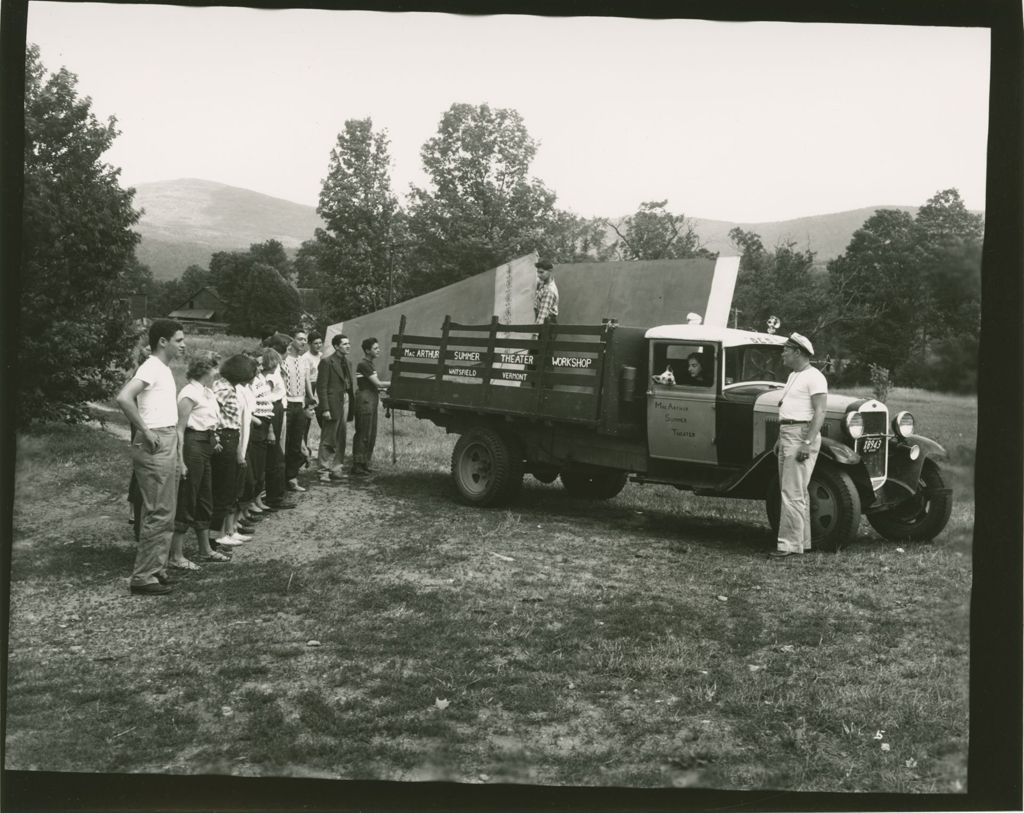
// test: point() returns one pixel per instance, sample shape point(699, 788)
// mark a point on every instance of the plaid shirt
point(295, 372)
point(261, 389)
point(545, 301)
point(230, 409)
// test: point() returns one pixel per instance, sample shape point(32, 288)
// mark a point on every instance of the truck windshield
point(754, 362)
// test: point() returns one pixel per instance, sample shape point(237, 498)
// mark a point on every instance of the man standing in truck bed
point(545, 298)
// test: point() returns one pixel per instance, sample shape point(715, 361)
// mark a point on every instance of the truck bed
point(559, 373)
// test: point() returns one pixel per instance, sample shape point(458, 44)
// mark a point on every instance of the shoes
point(283, 506)
point(184, 564)
point(293, 485)
point(151, 589)
point(215, 557)
point(244, 527)
point(230, 541)
point(166, 578)
point(358, 472)
point(241, 537)
point(783, 554)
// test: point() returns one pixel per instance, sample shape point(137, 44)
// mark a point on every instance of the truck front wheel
point(921, 518)
point(835, 507)
point(485, 467)
point(594, 484)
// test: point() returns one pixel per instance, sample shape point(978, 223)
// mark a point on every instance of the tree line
point(905, 293)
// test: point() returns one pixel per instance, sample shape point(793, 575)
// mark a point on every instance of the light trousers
point(157, 476)
point(794, 479)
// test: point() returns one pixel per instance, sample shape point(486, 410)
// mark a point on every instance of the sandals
point(214, 557)
point(184, 564)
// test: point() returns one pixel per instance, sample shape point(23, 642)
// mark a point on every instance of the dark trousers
point(224, 468)
point(296, 420)
point(274, 472)
point(366, 427)
point(195, 490)
point(257, 454)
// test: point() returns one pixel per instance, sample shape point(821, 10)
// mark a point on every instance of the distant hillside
point(187, 220)
point(826, 235)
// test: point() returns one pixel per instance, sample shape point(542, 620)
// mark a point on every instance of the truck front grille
point(873, 446)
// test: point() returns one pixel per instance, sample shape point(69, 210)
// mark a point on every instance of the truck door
point(681, 401)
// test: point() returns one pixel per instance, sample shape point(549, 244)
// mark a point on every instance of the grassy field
point(385, 631)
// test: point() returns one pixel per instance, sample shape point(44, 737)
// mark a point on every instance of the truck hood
point(835, 407)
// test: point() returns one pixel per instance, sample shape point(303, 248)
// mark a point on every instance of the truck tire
point(921, 518)
point(595, 484)
point(835, 507)
point(486, 467)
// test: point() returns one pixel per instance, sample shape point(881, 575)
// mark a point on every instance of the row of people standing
point(210, 459)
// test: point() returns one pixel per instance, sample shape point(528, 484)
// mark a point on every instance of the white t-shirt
point(796, 397)
point(313, 361)
point(157, 404)
point(276, 381)
point(206, 412)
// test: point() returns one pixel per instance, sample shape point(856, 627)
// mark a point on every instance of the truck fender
point(929, 447)
point(839, 452)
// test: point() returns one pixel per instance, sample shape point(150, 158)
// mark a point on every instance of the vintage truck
point(594, 406)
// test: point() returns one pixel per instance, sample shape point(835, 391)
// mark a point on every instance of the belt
point(790, 422)
point(228, 431)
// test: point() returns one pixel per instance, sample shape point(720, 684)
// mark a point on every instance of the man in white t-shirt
point(801, 416)
point(150, 404)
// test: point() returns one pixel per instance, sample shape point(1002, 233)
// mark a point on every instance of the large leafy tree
point(654, 233)
point(256, 291)
point(781, 282)
point(353, 260)
point(907, 292)
point(569, 238)
point(78, 255)
point(482, 207)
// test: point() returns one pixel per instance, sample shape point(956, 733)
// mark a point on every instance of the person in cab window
point(801, 415)
point(696, 375)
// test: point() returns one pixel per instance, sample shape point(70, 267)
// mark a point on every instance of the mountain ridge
point(186, 220)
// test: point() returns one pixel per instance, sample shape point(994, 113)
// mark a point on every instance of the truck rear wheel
point(486, 468)
point(921, 518)
point(835, 507)
point(595, 484)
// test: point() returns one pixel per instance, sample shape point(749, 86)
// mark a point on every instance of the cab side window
point(683, 365)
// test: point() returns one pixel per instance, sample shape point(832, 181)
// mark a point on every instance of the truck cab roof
point(729, 337)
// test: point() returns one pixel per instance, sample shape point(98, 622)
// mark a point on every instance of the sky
point(747, 122)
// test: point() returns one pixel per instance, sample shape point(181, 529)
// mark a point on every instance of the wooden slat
point(560, 330)
point(564, 345)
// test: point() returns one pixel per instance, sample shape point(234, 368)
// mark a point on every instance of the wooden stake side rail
point(487, 368)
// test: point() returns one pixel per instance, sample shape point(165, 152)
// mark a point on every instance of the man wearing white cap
point(801, 415)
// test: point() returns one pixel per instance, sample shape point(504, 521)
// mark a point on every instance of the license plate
point(871, 445)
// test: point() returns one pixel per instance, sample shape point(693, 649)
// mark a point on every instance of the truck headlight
point(903, 424)
point(854, 424)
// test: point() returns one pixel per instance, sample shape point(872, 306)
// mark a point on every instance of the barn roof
point(192, 313)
